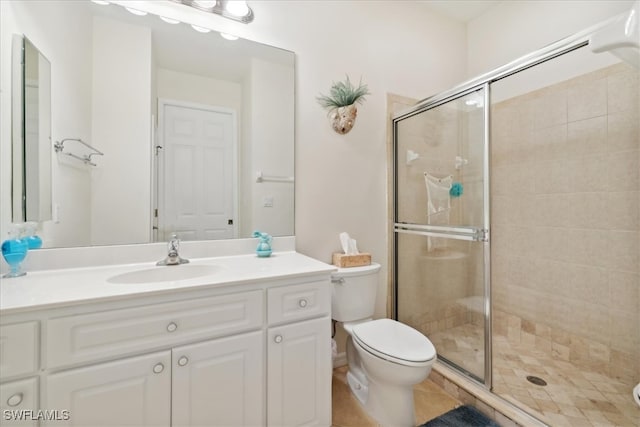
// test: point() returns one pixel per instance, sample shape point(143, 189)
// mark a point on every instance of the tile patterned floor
point(572, 396)
point(430, 402)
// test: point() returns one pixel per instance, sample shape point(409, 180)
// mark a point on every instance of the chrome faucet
point(172, 255)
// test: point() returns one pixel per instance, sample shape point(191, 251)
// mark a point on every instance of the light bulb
point(136, 11)
point(207, 4)
point(200, 29)
point(228, 36)
point(169, 20)
point(237, 7)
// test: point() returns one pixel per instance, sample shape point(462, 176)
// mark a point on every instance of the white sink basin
point(164, 274)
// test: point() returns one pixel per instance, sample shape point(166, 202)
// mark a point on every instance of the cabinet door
point(219, 382)
point(129, 392)
point(299, 372)
point(19, 403)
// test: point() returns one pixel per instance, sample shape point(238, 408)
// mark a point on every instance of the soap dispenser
point(264, 246)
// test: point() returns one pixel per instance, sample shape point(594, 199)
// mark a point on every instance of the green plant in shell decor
point(341, 104)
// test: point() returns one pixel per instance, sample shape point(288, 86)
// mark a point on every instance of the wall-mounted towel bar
point(86, 158)
point(260, 177)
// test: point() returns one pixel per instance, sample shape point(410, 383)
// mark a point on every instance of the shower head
point(621, 38)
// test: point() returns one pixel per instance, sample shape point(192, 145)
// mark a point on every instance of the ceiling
point(460, 10)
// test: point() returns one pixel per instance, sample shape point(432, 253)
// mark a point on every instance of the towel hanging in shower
point(438, 205)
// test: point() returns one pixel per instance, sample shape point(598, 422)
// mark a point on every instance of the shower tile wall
point(565, 221)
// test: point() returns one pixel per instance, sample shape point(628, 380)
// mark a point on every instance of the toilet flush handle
point(337, 280)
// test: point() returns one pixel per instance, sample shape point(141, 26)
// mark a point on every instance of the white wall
point(122, 131)
point(512, 29)
point(180, 86)
point(341, 179)
point(63, 34)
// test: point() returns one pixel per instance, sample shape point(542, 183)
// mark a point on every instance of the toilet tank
point(354, 292)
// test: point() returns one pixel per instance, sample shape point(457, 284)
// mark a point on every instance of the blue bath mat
point(462, 416)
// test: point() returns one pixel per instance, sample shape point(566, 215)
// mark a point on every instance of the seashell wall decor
point(341, 104)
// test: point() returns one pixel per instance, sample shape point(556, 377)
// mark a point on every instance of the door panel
point(299, 370)
point(129, 392)
point(219, 382)
point(198, 181)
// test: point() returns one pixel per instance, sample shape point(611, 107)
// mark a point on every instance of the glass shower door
point(441, 228)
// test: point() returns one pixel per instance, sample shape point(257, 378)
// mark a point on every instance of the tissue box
point(344, 261)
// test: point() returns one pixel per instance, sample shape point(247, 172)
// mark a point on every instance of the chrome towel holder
point(86, 158)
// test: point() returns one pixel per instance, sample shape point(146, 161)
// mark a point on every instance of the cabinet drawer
point(17, 397)
point(82, 338)
point(19, 349)
point(296, 302)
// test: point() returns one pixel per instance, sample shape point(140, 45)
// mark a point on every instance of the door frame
point(159, 175)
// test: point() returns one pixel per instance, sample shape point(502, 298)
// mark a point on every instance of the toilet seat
point(395, 342)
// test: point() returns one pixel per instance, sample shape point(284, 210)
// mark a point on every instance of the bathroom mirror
point(31, 132)
point(196, 131)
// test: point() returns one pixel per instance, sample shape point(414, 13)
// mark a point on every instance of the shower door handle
point(473, 234)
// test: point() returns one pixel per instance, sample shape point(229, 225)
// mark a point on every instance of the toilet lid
point(394, 340)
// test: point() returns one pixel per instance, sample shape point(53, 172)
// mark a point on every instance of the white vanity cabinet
point(19, 391)
point(299, 364)
point(254, 354)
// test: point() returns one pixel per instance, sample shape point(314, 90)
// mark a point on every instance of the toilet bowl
point(386, 358)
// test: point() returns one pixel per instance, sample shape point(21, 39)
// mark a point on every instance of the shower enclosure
point(517, 232)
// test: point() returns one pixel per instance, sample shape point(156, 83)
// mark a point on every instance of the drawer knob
point(183, 361)
point(158, 368)
point(302, 303)
point(15, 400)
point(277, 339)
point(172, 327)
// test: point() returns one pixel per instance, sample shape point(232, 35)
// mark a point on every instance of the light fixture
point(100, 2)
point(200, 29)
point(237, 7)
point(228, 36)
point(238, 10)
point(169, 20)
point(136, 11)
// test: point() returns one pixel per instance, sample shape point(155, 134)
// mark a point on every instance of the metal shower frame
point(484, 81)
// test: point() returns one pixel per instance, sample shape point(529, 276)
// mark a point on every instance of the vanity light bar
point(223, 8)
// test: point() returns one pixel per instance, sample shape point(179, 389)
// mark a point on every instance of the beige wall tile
point(622, 131)
point(623, 251)
point(623, 210)
point(623, 91)
point(586, 100)
point(624, 293)
point(589, 209)
point(589, 247)
point(550, 109)
point(623, 171)
point(585, 137)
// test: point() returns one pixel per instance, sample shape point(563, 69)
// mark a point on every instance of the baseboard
point(340, 360)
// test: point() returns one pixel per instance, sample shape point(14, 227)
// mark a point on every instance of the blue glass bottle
point(14, 251)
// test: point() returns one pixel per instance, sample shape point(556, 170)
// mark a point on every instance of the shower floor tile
point(572, 397)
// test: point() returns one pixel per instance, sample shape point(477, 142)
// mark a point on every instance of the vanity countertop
point(55, 288)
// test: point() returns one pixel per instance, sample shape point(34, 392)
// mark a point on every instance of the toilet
point(386, 358)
